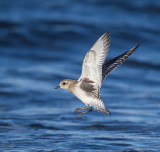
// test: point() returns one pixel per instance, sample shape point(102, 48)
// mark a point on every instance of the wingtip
point(137, 45)
point(134, 48)
point(107, 33)
point(106, 37)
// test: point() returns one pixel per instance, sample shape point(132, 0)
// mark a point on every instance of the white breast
point(80, 94)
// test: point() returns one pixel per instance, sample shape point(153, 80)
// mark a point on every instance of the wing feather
point(109, 66)
point(94, 59)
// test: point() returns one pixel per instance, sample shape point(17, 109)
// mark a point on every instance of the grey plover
point(94, 71)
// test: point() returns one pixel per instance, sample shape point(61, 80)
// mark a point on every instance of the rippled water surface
point(43, 42)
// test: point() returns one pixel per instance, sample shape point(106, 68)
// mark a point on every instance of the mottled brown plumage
point(94, 70)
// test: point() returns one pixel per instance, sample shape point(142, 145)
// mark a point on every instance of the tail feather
point(100, 107)
point(107, 112)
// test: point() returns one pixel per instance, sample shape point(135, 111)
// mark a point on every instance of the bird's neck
point(72, 86)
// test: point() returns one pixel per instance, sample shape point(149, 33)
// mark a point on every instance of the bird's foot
point(89, 109)
point(77, 109)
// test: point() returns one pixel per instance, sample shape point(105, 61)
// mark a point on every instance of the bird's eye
point(63, 83)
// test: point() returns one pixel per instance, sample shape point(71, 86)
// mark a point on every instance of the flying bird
point(94, 71)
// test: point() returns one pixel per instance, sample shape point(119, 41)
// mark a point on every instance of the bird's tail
point(100, 107)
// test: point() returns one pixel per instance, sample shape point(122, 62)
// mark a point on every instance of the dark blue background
point(44, 41)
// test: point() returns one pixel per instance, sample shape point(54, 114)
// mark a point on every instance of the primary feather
point(110, 65)
point(93, 61)
point(94, 71)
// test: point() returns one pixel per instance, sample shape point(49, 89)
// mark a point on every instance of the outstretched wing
point(93, 61)
point(115, 62)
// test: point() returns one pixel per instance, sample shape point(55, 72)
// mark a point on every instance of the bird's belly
point(83, 97)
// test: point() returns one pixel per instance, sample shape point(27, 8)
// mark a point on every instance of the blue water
point(44, 41)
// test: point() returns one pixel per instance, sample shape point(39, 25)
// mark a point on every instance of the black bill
point(57, 87)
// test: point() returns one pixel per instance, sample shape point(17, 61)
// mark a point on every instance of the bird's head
point(64, 84)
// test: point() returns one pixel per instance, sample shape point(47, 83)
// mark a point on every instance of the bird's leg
point(77, 109)
point(89, 110)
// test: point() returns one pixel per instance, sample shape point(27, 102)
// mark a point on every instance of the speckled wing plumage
point(94, 70)
point(94, 59)
point(91, 77)
point(110, 65)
